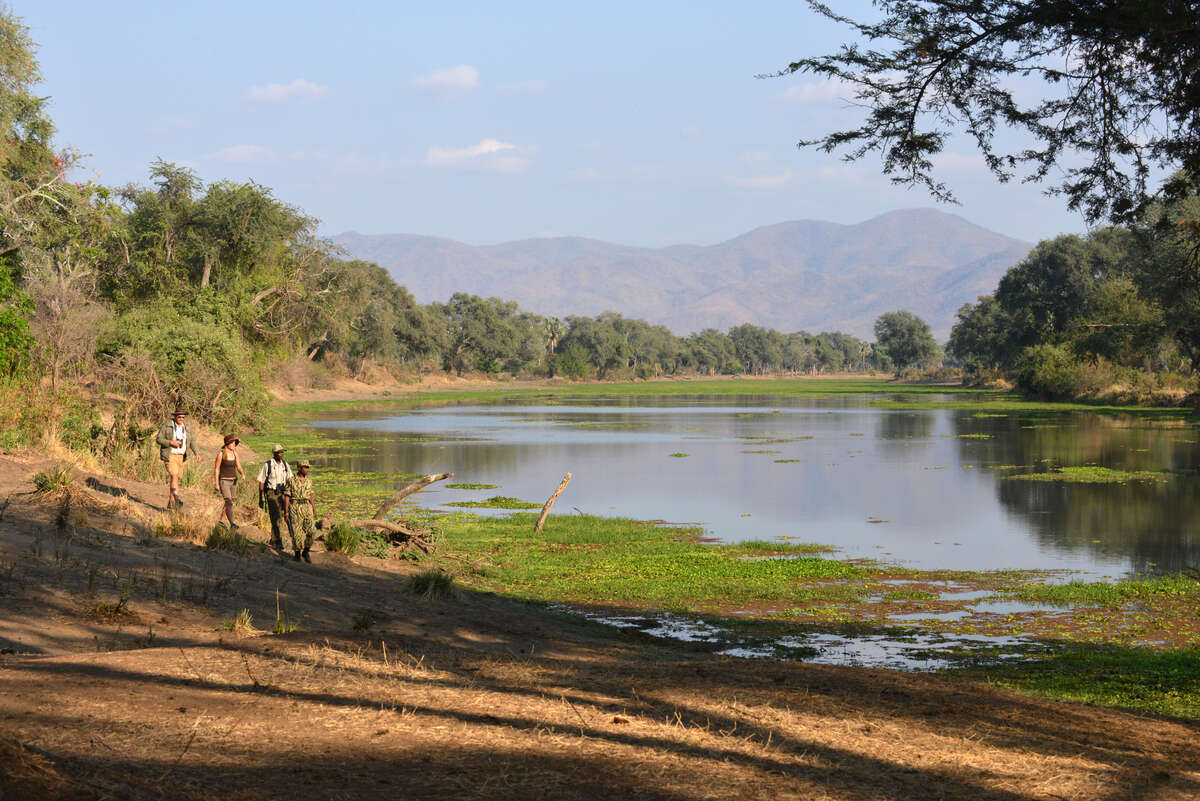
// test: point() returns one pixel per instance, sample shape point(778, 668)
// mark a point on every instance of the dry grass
point(185, 526)
point(580, 721)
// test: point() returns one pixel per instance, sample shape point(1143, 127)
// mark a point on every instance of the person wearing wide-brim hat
point(302, 511)
point(225, 476)
point(174, 444)
point(272, 479)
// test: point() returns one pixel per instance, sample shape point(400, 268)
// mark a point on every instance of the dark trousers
point(275, 510)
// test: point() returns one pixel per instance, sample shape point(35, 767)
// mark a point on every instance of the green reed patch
point(497, 502)
point(1101, 593)
point(230, 541)
point(1164, 682)
point(466, 486)
point(1090, 474)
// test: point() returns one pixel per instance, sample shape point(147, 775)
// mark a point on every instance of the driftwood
point(546, 509)
point(399, 535)
point(401, 494)
point(383, 525)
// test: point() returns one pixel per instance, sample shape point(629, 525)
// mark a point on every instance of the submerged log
point(546, 509)
point(401, 494)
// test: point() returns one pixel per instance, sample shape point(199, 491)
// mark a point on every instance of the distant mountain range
point(803, 275)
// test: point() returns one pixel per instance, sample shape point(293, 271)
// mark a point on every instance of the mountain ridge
point(812, 275)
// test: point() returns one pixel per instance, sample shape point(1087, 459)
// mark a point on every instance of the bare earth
point(473, 697)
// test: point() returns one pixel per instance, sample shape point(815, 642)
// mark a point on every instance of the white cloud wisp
point(279, 92)
point(488, 154)
point(450, 79)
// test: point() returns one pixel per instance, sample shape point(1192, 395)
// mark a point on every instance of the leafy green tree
point(32, 184)
point(1046, 293)
point(487, 335)
point(1118, 82)
point(1120, 325)
point(1170, 271)
point(979, 336)
point(906, 339)
point(606, 347)
point(711, 352)
point(757, 349)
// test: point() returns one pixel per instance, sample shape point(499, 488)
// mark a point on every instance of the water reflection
point(818, 469)
point(1152, 525)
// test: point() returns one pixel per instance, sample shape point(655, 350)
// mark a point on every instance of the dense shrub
point(202, 364)
point(1049, 372)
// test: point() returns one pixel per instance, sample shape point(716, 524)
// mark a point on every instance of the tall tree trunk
point(207, 272)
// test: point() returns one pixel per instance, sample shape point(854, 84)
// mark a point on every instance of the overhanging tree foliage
point(1120, 83)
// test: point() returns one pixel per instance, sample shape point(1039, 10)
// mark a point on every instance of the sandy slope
point(474, 697)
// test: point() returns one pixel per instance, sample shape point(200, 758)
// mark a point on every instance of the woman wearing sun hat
point(226, 471)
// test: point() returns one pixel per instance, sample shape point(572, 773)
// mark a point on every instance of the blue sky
point(639, 123)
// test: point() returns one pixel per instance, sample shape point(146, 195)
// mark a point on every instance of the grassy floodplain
point(1133, 643)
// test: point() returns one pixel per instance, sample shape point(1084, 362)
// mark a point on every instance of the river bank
point(780, 597)
point(136, 665)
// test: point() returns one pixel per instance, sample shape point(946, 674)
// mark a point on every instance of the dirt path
point(380, 694)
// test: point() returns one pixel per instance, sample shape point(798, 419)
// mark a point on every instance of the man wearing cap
point(302, 511)
point(272, 480)
point(174, 444)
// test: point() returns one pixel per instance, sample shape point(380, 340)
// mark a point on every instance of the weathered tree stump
point(546, 509)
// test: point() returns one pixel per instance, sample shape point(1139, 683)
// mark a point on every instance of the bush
point(1049, 372)
point(223, 539)
point(344, 539)
point(56, 478)
point(159, 356)
point(181, 526)
point(432, 583)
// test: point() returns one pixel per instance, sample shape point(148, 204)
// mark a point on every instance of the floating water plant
point(1089, 475)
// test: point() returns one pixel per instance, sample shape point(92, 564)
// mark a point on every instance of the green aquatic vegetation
point(1090, 474)
point(678, 455)
point(763, 450)
point(1163, 682)
point(617, 562)
point(968, 436)
point(466, 486)
point(773, 547)
point(787, 461)
point(618, 425)
point(497, 502)
point(1103, 593)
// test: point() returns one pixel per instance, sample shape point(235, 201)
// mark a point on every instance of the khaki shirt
point(299, 488)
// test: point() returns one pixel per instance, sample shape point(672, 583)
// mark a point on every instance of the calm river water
point(926, 488)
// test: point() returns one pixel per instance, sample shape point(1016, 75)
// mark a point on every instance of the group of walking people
point(285, 494)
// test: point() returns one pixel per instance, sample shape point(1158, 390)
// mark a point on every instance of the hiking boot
point(296, 556)
point(277, 546)
point(307, 558)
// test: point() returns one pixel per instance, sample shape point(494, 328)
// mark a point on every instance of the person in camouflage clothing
point(301, 511)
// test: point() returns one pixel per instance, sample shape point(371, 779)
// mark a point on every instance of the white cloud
point(242, 154)
point(278, 92)
point(817, 91)
point(450, 79)
point(767, 181)
point(488, 154)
